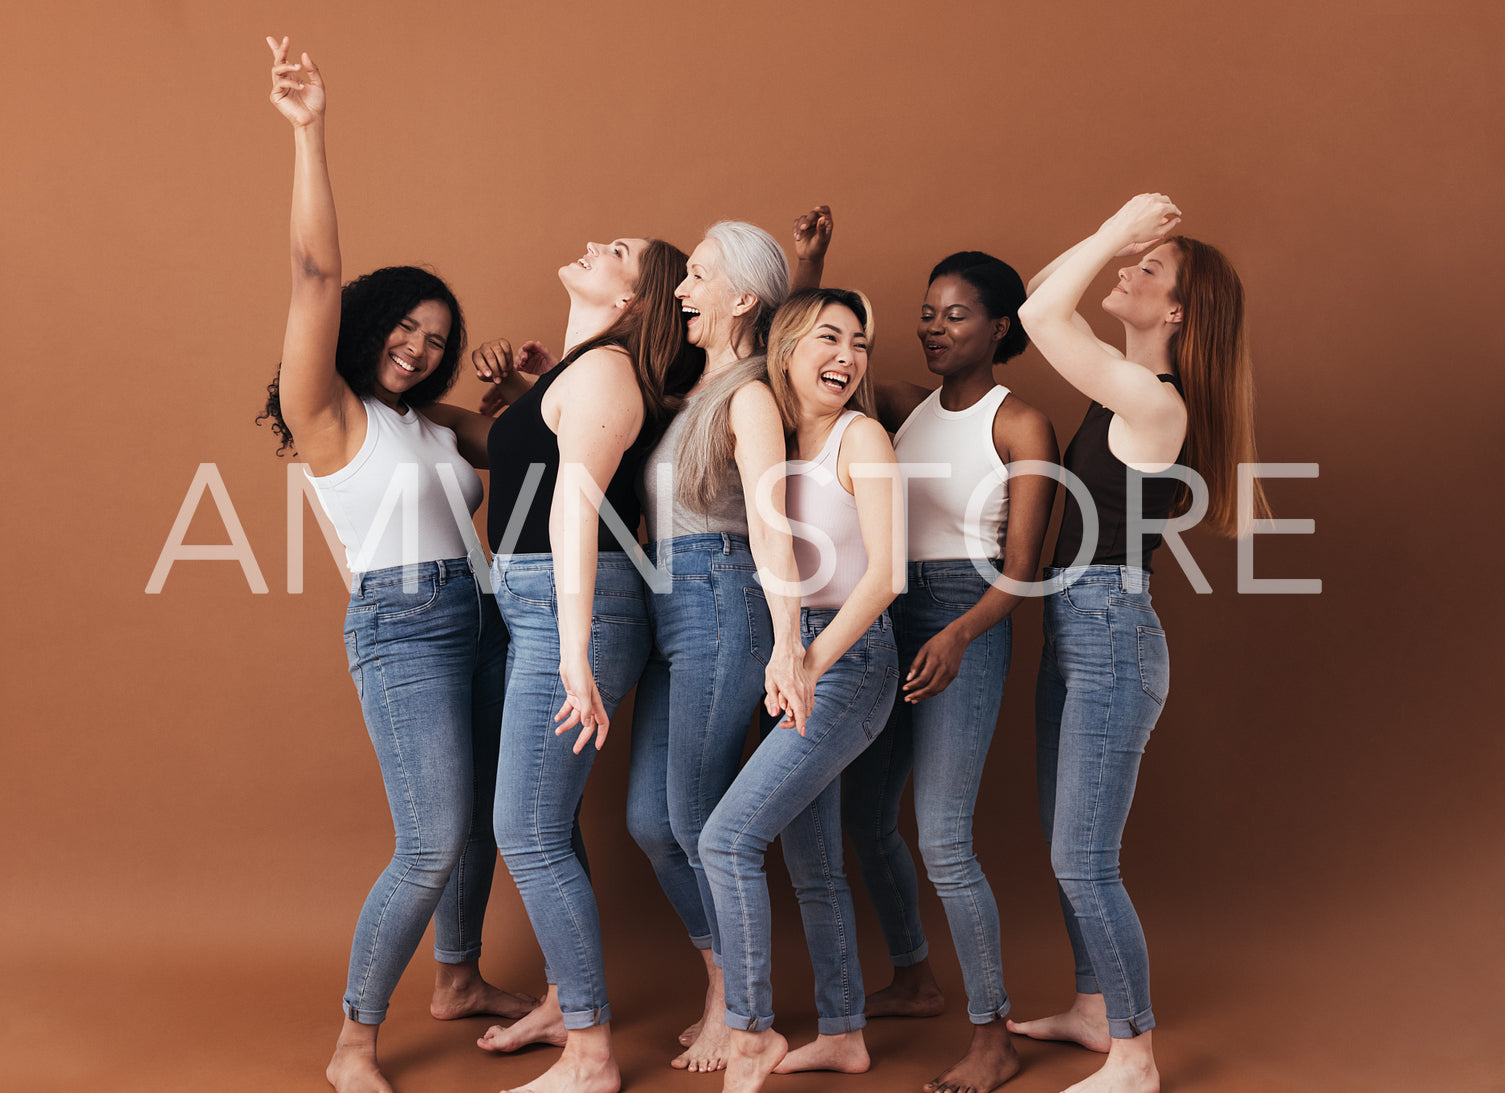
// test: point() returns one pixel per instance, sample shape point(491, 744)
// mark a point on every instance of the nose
point(1123, 274)
point(683, 288)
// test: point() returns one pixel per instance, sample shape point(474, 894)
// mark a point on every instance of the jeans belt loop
point(726, 542)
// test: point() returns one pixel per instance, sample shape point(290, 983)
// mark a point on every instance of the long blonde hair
point(1211, 353)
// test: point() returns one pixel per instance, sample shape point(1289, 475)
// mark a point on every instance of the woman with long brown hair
point(1170, 421)
point(565, 457)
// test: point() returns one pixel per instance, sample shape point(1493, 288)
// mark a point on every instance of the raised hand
point(1143, 221)
point(297, 89)
point(534, 359)
point(812, 234)
point(492, 360)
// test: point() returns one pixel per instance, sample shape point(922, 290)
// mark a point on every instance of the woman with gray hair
point(726, 625)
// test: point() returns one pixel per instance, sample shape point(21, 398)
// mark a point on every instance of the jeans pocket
point(955, 592)
point(759, 625)
point(1087, 597)
point(1154, 663)
point(396, 602)
point(532, 581)
point(353, 661)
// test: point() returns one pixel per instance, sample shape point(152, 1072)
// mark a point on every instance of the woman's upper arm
point(599, 412)
point(868, 463)
point(316, 401)
point(1022, 433)
point(1100, 372)
point(758, 433)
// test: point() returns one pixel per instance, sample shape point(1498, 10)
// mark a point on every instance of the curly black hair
point(371, 306)
point(1001, 289)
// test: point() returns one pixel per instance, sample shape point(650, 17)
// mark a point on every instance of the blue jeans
point(712, 639)
point(792, 785)
point(540, 781)
point(944, 739)
point(428, 666)
point(1104, 675)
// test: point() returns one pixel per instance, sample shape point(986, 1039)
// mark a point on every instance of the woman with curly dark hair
point(425, 646)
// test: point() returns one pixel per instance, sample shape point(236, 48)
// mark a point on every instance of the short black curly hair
point(371, 306)
point(1001, 289)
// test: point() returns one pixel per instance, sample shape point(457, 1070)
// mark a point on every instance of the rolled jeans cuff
point(911, 958)
point(365, 1016)
point(578, 1019)
point(702, 942)
point(748, 1024)
point(1126, 1030)
point(994, 1015)
point(457, 956)
point(836, 1026)
point(1087, 984)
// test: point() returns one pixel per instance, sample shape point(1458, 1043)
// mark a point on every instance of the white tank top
point(403, 497)
point(827, 536)
point(965, 513)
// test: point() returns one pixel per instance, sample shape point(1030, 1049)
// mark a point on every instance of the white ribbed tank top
point(827, 536)
point(396, 502)
point(965, 513)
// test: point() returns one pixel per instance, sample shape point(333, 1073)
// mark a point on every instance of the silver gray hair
point(752, 262)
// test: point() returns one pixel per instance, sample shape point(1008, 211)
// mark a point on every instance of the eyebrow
point(1157, 261)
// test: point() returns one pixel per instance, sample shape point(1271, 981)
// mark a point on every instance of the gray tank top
point(667, 517)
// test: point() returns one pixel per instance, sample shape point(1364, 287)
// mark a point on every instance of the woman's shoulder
point(866, 439)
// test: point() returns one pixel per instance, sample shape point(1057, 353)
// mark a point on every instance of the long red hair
point(1211, 353)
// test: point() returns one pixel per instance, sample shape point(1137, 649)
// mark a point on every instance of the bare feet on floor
point(1085, 1023)
point(913, 993)
point(708, 1051)
point(713, 991)
point(1130, 1068)
point(543, 1025)
point(751, 1058)
point(989, 1062)
point(845, 1053)
point(587, 1066)
point(352, 1068)
point(459, 991)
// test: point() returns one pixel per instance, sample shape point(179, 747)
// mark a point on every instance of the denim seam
point(831, 898)
point(897, 895)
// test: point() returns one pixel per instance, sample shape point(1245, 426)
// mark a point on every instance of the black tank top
point(1090, 459)
point(519, 439)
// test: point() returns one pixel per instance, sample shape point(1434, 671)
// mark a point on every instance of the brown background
point(189, 809)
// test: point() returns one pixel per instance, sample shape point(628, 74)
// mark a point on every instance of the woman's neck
point(720, 357)
point(585, 322)
point(963, 388)
point(1150, 348)
point(812, 431)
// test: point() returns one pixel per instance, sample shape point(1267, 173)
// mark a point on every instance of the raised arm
point(875, 485)
point(317, 404)
point(605, 411)
point(1020, 432)
point(812, 235)
point(759, 433)
point(1049, 315)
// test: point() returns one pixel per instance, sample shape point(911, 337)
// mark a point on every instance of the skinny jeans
point(792, 786)
point(427, 651)
point(944, 741)
point(704, 681)
point(1104, 677)
point(540, 782)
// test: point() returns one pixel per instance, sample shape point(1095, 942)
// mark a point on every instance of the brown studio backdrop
point(193, 811)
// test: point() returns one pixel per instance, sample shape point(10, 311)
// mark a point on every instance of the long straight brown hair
point(651, 329)
point(1211, 353)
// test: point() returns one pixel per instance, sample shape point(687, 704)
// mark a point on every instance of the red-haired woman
point(1180, 396)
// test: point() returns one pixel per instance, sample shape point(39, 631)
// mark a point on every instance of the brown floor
point(1393, 993)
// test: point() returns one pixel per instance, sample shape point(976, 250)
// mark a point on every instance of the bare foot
point(543, 1025)
point(845, 1053)
point(753, 1056)
point(913, 993)
point(713, 992)
point(989, 1062)
point(708, 1051)
point(1085, 1023)
point(459, 991)
point(352, 1068)
point(587, 1066)
point(1130, 1068)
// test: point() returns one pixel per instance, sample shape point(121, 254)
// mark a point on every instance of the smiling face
point(1144, 296)
point(955, 330)
point(829, 362)
point(710, 307)
point(606, 274)
point(413, 350)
